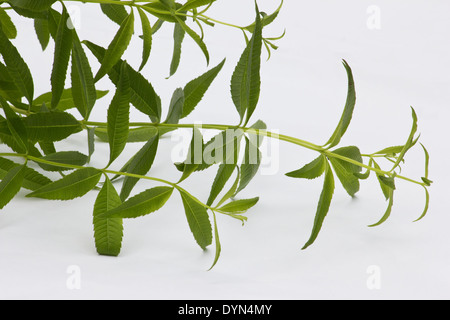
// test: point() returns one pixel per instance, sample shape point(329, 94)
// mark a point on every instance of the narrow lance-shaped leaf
point(239, 206)
point(312, 170)
point(217, 242)
point(83, 87)
point(196, 89)
point(250, 166)
point(66, 101)
point(345, 171)
point(146, 37)
point(108, 232)
point(140, 134)
point(142, 204)
point(32, 180)
point(63, 47)
point(387, 214)
point(246, 79)
point(15, 125)
point(195, 154)
point(141, 164)
point(195, 37)
point(176, 107)
point(193, 4)
point(115, 12)
point(51, 126)
point(198, 220)
point(409, 143)
point(178, 37)
point(143, 95)
point(117, 46)
point(7, 25)
point(33, 5)
point(267, 19)
point(73, 158)
point(119, 116)
point(10, 185)
point(17, 68)
point(348, 110)
point(323, 205)
point(72, 186)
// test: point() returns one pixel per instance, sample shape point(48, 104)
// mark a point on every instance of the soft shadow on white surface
point(405, 63)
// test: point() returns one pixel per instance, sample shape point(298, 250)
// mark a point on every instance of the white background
point(405, 63)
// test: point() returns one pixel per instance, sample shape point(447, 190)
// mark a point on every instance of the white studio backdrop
point(400, 55)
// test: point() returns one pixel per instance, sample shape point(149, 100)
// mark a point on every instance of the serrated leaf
point(387, 214)
point(267, 19)
point(246, 79)
point(72, 186)
point(7, 25)
point(312, 170)
point(239, 206)
point(117, 46)
point(348, 110)
point(32, 180)
point(15, 125)
point(143, 96)
point(217, 242)
point(323, 205)
point(51, 126)
point(193, 4)
point(64, 157)
point(10, 185)
point(63, 48)
point(198, 220)
point(345, 171)
point(390, 150)
point(8, 88)
point(141, 164)
point(176, 107)
point(91, 142)
point(142, 204)
point(223, 175)
point(108, 232)
point(17, 68)
point(119, 116)
point(115, 12)
point(409, 143)
point(250, 165)
point(141, 134)
point(65, 103)
point(32, 5)
point(196, 89)
point(198, 40)
point(83, 87)
point(178, 37)
point(160, 11)
point(146, 37)
point(232, 191)
point(195, 154)
point(42, 32)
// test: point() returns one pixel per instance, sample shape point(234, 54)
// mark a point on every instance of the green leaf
point(193, 4)
point(63, 47)
point(119, 116)
point(246, 79)
point(170, 4)
point(51, 126)
point(267, 19)
point(65, 103)
point(91, 142)
point(15, 125)
point(348, 110)
point(141, 164)
point(196, 89)
point(72, 186)
point(108, 232)
point(178, 37)
point(64, 157)
point(390, 150)
point(387, 214)
point(345, 171)
point(195, 154)
point(141, 134)
point(83, 87)
point(310, 171)
point(195, 37)
point(427, 163)
point(239, 206)
point(323, 205)
point(42, 32)
point(176, 107)
point(427, 205)
point(7, 25)
point(232, 191)
point(385, 188)
point(32, 5)
point(217, 242)
point(115, 12)
point(146, 36)
point(143, 96)
point(250, 166)
point(8, 88)
point(142, 204)
point(198, 220)
point(223, 175)
point(10, 185)
point(117, 47)
point(160, 11)
point(17, 68)
point(410, 142)
point(32, 180)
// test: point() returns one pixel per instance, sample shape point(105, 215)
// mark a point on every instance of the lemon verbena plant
point(32, 123)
